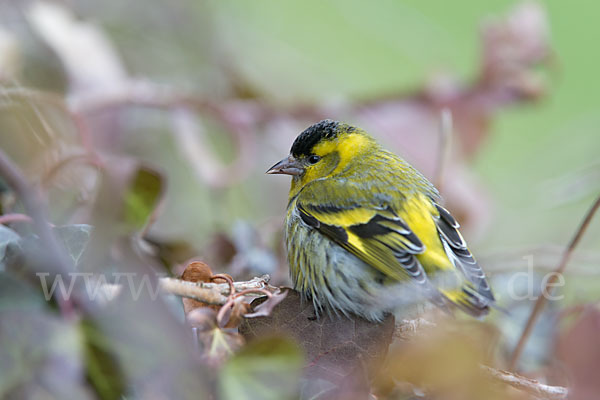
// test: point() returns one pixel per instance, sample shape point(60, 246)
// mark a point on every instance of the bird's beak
point(288, 166)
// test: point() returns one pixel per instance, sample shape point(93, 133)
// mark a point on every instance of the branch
point(407, 329)
point(56, 100)
point(530, 386)
point(192, 290)
point(219, 291)
point(444, 147)
point(34, 206)
point(56, 261)
point(206, 292)
point(541, 301)
point(14, 217)
point(189, 135)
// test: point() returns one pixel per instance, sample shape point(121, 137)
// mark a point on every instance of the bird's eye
point(314, 159)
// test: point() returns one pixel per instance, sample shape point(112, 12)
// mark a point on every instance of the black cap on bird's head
point(303, 154)
point(304, 143)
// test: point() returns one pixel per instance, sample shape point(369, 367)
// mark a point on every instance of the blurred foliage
point(146, 127)
point(267, 368)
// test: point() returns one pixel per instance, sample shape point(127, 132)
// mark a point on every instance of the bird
point(366, 233)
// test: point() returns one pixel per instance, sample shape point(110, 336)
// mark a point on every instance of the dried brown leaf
point(444, 362)
point(196, 271)
point(340, 352)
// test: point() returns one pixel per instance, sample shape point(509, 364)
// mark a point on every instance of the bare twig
point(189, 136)
point(192, 290)
point(444, 147)
point(539, 390)
point(56, 260)
point(85, 158)
point(57, 101)
point(408, 329)
point(541, 301)
point(230, 299)
point(35, 208)
point(212, 293)
point(258, 292)
point(254, 283)
point(14, 217)
point(206, 292)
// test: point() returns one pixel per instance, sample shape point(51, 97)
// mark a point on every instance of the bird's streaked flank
point(365, 230)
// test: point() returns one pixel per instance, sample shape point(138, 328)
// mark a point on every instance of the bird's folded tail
point(469, 300)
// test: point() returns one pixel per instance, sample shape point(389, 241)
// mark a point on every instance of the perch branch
point(541, 301)
point(531, 386)
point(212, 293)
point(206, 292)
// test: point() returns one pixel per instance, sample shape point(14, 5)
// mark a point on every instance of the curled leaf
point(265, 308)
point(196, 271)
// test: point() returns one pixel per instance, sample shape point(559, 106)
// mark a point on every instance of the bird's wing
point(476, 293)
point(376, 235)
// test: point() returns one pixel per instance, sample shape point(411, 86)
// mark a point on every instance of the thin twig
point(206, 292)
point(541, 301)
point(444, 147)
point(192, 290)
point(408, 329)
point(254, 291)
point(531, 386)
point(230, 299)
point(227, 279)
point(213, 293)
point(14, 217)
point(85, 158)
point(56, 100)
point(56, 260)
point(35, 209)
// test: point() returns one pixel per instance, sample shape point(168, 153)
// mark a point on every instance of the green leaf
point(15, 294)
point(102, 367)
point(142, 196)
point(268, 368)
point(75, 239)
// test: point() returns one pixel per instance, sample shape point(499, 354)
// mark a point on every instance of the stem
point(444, 147)
point(539, 390)
point(56, 261)
point(14, 217)
point(541, 301)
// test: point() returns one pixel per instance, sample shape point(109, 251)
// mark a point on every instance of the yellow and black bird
point(361, 223)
